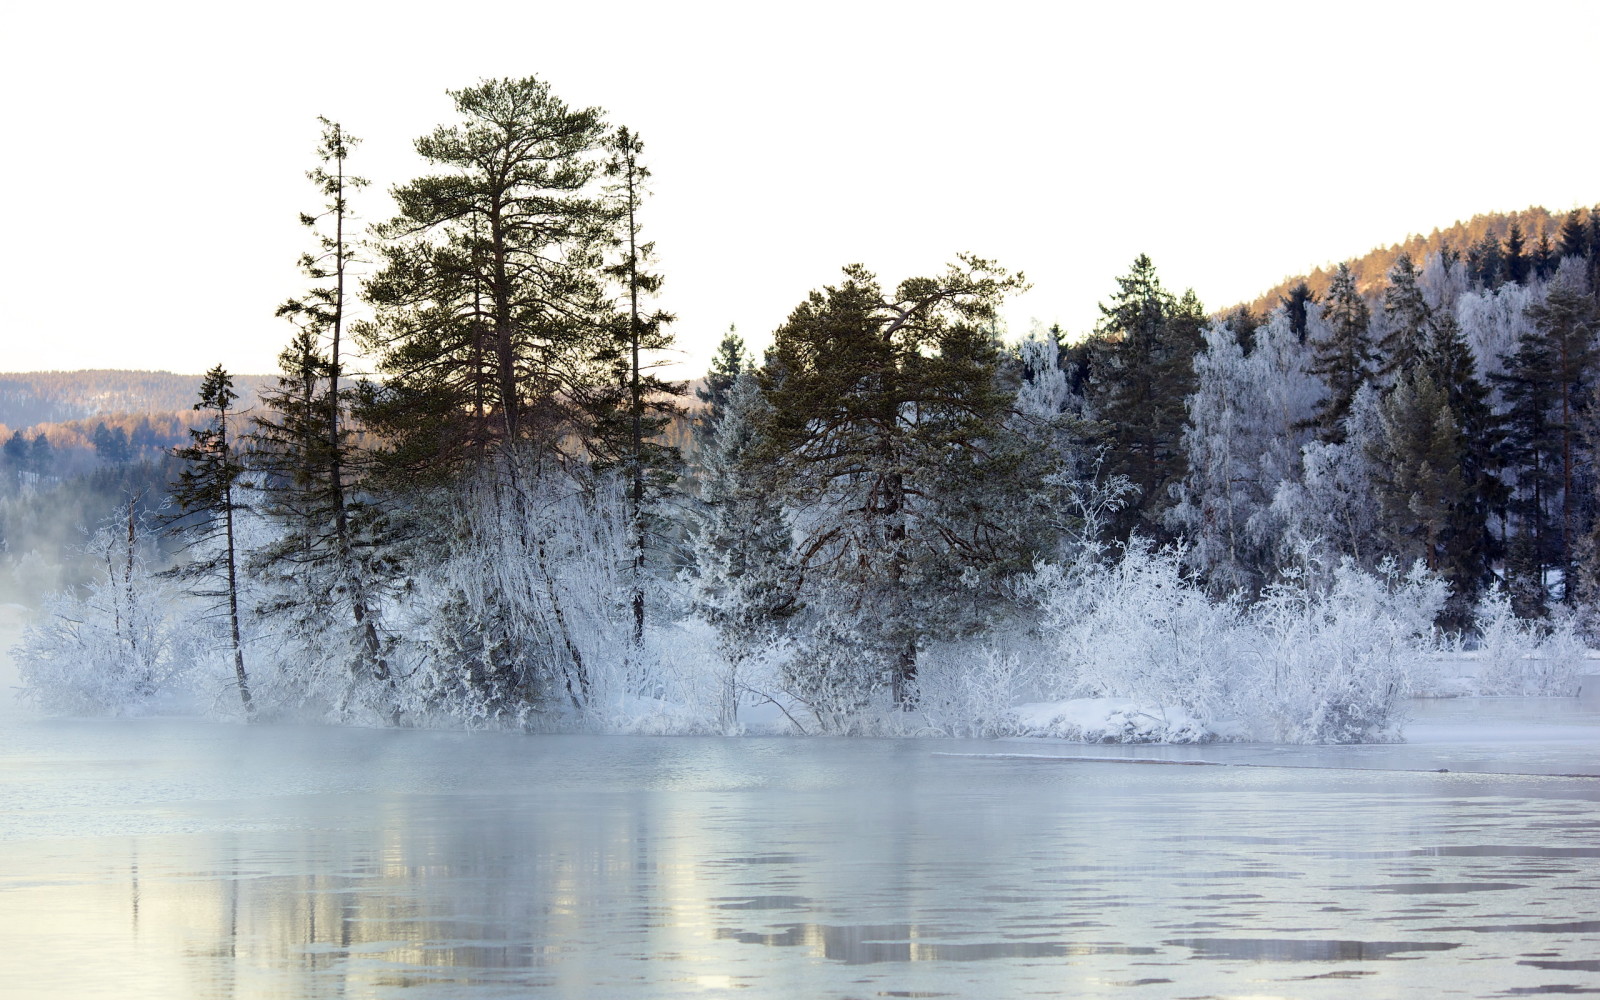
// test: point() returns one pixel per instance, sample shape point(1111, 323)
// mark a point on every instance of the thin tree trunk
point(233, 595)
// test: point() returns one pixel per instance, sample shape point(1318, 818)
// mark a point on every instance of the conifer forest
point(476, 493)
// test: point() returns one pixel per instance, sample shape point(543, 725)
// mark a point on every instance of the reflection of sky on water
point(165, 859)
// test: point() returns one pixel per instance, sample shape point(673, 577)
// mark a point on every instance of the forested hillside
point(1485, 242)
point(1263, 523)
point(31, 398)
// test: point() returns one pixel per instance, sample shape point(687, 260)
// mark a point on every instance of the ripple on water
point(865, 944)
point(1293, 950)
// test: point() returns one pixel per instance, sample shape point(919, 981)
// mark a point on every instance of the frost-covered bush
point(1520, 656)
point(113, 646)
point(1138, 628)
point(970, 690)
point(1331, 666)
point(1305, 664)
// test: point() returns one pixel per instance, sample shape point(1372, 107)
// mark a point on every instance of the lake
point(166, 858)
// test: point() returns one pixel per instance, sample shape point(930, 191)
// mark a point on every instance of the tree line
point(496, 529)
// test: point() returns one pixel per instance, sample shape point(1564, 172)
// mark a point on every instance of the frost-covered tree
point(207, 490)
point(730, 361)
point(117, 642)
point(744, 581)
point(1332, 510)
point(879, 407)
point(1407, 318)
point(1493, 322)
point(1243, 439)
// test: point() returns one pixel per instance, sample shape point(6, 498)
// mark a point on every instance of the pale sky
point(156, 152)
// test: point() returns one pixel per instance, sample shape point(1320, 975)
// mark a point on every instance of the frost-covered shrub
point(968, 690)
point(1138, 628)
point(1520, 656)
point(1332, 666)
point(113, 646)
point(1306, 664)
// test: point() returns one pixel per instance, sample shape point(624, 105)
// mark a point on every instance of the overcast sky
point(156, 152)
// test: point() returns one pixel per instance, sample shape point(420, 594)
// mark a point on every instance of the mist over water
point(13, 617)
point(163, 858)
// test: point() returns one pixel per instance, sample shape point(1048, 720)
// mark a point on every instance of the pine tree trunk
point(233, 612)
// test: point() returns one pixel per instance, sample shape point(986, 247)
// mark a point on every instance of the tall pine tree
point(1141, 369)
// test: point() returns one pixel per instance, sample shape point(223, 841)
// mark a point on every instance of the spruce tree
point(1574, 238)
point(1518, 266)
point(1295, 304)
point(744, 581)
point(206, 493)
point(729, 362)
point(1141, 361)
point(1545, 258)
point(323, 558)
point(1567, 321)
point(630, 418)
point(1344, 361)
point(1468, 547)
point(1408, 317)
point(1486, 262)
point(1419, 478)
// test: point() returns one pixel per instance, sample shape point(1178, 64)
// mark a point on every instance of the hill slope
point(1371, 269)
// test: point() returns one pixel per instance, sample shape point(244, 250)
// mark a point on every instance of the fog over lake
point(182, 858)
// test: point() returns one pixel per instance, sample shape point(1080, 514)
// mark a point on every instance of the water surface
point(178, 858)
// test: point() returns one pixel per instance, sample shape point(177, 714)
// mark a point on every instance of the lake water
point(178, 858)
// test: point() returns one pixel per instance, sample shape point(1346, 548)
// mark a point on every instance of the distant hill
point(30, 398)
point(1371, 269)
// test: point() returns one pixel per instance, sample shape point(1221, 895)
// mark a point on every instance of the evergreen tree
point(877, 411)
point(1593, 273)
point(494, 335)
point(1545, 258)
point(744, 574)
point(324, 556)
point(1468, 547)
point(16, 451)
point(729, 362)
point(1568, 321)
point(1419, 480)
point(1141, 369)
point(1517, 264)
point(1486, 263)
point(41, 455)
point(1407, 315)
point(1574, 238)
point(492, 328)
point(1530, 453)
point(208, 487)
point(630, 418)
point(1295, 304)
point(1344, 359)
